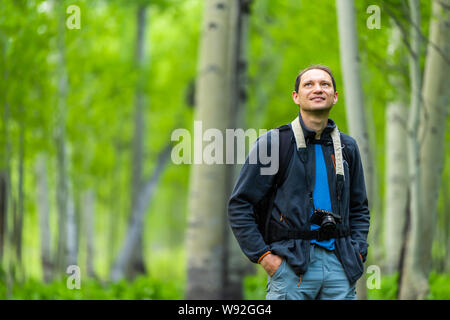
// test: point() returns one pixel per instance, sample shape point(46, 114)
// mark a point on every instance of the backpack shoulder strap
point(336, 137)
point(345, 153)
point(285, 152)
point(286, 149)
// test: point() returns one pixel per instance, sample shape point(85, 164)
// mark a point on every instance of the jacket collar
point(311, 134)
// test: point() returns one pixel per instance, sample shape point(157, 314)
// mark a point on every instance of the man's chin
point(316, 108)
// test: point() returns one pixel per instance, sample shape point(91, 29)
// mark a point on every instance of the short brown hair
point(314, 66)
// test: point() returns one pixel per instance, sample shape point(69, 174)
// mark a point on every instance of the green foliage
point(166, 281)
point(387, 291)
point(439, 286)
point(142, 288)
point(255, 287)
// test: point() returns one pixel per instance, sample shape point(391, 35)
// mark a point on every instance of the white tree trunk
point(375, 237)
point(208, 183)
point(414, 283)
point(432, 128)
point(42, 200)
point(116, 201)
point(3, 210)
point(6, 154)
point(71, 231)
point(5, 237)
point(60, 137)
point(18, 221)
point(354, 99)
point(136, 226)
point(136, 264)
point(396, 183)
point(354, 96)
point(88, 212)
point(236, 261)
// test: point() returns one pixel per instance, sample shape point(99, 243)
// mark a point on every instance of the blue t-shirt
point(321, 194)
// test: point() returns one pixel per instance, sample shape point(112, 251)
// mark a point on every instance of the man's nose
point(317, 88)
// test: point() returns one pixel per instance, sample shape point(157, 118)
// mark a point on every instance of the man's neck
point(316, 121)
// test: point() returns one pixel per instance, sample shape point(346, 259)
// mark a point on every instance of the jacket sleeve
point(252, 184)
point(359, 208)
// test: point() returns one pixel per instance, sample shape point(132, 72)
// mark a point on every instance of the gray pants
point(325, 279)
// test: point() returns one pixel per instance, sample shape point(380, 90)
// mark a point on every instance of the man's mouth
point(318, 98)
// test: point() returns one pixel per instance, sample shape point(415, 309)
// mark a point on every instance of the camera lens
point(328, 223)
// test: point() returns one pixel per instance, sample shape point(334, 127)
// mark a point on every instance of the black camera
point(326, 220)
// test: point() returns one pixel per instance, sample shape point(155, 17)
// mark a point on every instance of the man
point(319, 217)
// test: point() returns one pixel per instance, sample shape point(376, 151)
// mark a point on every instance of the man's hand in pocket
point(271, 263)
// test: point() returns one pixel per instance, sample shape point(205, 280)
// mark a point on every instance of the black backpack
point(264, 207)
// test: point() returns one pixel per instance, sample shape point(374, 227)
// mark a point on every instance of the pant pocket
point(278, 271)
point(277, 284)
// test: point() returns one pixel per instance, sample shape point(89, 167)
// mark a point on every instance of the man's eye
point(307, 84)
point(326, 84)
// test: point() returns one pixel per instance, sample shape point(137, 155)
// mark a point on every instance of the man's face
point(315, 92)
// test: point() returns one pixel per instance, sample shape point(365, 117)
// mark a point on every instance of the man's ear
point(335, 98)
point(295, 97)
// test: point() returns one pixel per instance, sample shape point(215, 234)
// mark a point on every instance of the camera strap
point(335, 136)
point(301, 147)
point(279, 233)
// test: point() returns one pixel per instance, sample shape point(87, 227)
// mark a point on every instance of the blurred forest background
point(91, 91)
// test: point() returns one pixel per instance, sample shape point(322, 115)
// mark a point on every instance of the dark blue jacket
point(292, 202)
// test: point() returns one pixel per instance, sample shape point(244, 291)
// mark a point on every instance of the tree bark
point(42, 192)
point(135, 228)
point(88, 212)
point(432, 128)
point(116, 203)
point(235, 261)
point(60, 137)
point(19, 213)
point(375, 237)
point(414, 284)
point(6, 150)
point(72, 230)
point(208, 183)
point(136, 264)
point(354, 99)
point(6, 205)
point(396, 172)
point(396, 184)
point(3, 210)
